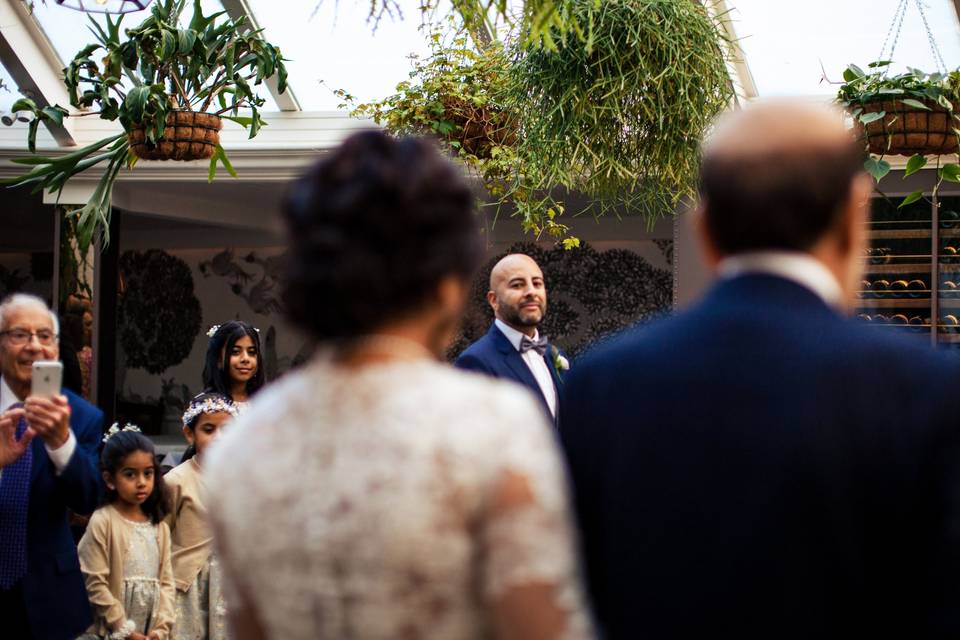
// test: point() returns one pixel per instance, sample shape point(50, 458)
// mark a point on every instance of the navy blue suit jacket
point(759, 467)
point(53, 589)
point(494, 355)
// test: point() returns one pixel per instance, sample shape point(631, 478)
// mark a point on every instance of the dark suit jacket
point(759, 467)
point(54, 592)
point(494, 355)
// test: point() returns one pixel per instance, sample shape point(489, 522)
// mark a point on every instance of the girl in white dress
point(391, 496)
point(125, 551)
point(200, 609)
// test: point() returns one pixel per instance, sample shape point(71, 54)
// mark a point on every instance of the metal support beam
point(236, 9)
point(33, 63)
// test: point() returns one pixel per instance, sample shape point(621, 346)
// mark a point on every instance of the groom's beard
point(513, 317)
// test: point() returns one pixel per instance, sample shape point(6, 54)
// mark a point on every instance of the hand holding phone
point(47, 378)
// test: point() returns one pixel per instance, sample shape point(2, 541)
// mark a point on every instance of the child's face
point(206, 430)
point(133, 481)
point(242, 361)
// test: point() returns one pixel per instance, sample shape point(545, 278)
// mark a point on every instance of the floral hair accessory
point(212, 331)
point(115, 429)
point(208, 404)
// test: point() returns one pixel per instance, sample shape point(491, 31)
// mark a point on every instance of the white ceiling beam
point(236, 9)
point(32, 62)
point(741, 76)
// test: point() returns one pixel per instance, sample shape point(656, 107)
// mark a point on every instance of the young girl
point(232, 366)
point(200, 613)
point(125, 552)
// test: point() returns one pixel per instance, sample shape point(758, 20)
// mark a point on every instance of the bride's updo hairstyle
point(374, 228)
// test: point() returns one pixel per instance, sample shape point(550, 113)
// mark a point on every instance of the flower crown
point(212, 331)
point(211, 404)
point(115, 429)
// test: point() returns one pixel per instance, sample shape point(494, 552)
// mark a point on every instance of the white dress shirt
point(535, 362)
point(60, 457)
point(801, 268)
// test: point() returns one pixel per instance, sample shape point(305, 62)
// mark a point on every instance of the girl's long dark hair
point(115, 451)
point(215, 366)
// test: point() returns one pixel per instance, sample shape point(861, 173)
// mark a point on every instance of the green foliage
point(618, 116)
point(916, 89)
point(614, 112)
point(139, 75)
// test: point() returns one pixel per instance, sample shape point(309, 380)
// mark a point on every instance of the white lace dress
point(368, 504)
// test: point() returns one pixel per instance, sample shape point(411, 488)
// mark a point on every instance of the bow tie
point(539, 345)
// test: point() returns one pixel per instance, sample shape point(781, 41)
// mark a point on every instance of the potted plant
point(911, 114)
point(168, 84)
point(613, 111)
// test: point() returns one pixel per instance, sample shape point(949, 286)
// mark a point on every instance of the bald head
point(776, 176)
point(512, 263)
point(517, 293)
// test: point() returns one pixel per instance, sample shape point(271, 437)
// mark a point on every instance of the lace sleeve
point(531, 574)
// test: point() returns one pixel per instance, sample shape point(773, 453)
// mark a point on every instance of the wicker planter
point(189, 135)
point(479, 128)
point(909, 130)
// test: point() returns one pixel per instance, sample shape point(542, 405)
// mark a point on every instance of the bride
point(378, 493)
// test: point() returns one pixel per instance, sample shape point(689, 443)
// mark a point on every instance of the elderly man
point(759, 466)
point(513, 347)
point(48, 464)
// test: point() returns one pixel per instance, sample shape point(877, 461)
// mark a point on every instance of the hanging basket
point(906, 130)
point(189, 135)
point(479, 128)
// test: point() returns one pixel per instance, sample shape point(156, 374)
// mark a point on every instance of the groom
point(513, 347)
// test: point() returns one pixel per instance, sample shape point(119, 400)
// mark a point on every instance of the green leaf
point(916, 104)
point(867, 118)
point(877, 168)
point(186, 39)
point(910, 199)
point(914, 164)
point(243, 121)
point(950, 172)
point(220, 155)
point(54, 114)
point(136, 102)
point(24, 104)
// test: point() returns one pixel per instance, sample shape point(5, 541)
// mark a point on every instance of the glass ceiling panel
point(69, 30)
point(8, 90)
point(786, 42)
point(338, 47)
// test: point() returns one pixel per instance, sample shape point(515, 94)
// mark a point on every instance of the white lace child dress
point(359, 504)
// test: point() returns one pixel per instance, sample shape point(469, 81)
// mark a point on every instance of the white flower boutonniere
point(559, 362)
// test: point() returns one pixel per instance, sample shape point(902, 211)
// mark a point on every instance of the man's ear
point(492, 300)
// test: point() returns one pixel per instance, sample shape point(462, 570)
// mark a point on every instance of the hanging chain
point(933, 43)
point(897, 25)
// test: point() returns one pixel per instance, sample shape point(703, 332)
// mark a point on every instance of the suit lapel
point(514, 361)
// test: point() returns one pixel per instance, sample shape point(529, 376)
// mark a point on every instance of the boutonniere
point(559, 362)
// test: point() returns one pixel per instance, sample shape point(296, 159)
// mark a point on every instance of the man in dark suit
point(513, 347)
point(759, 466)
point(48, 464)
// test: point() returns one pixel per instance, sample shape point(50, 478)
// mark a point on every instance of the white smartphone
point(47, 378)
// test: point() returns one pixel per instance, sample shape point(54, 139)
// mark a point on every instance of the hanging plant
point(168, 85)
point(911, 114)
point(613, 111)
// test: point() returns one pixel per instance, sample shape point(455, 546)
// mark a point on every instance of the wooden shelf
point(914, 267)
point(950, 303)
point(902, 234)
point(949, 338)
point(896, 303)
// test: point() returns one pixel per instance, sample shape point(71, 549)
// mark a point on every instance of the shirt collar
point(7, 397)
point(514, 336)
point(801, 268)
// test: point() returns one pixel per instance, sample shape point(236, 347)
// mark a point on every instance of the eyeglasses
point(20, 337)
